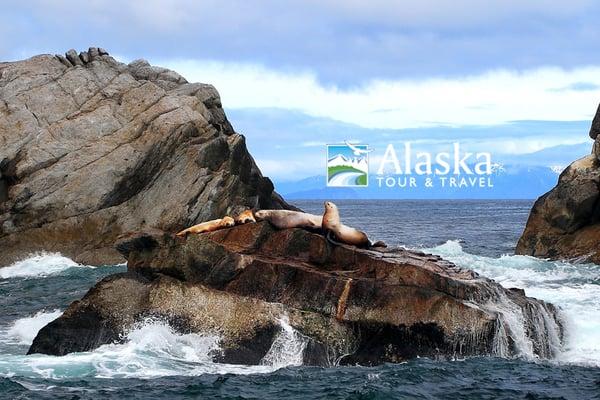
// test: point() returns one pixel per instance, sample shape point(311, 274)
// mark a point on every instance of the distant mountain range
point(510, 182)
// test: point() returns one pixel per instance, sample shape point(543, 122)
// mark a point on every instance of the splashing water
point(287, 348)
point(157, 362)
point(24, 330)
point(39, 265)
point(152, 349)
point(575, 288)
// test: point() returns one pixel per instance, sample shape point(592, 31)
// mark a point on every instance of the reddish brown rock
point(350, 305)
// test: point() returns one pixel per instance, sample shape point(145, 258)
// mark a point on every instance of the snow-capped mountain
point(359, 163)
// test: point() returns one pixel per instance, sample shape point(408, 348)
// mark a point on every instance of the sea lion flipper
point(379, 243)
point(245, 217)
point(331, 240)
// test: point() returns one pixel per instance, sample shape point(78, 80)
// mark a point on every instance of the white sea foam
point(154, 349)
point(39, 265)
point(287, 348)
point(24, 330)
point(151, 350)
point(574, 287)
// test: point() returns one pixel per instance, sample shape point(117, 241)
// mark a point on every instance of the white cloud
point(491, 98)
point(313, 143)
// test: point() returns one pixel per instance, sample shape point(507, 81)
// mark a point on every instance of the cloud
point(345, 43)
point(578, 87)
point(276, 137)
point(407, 103)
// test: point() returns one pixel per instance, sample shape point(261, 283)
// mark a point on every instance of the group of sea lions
point(330, 223)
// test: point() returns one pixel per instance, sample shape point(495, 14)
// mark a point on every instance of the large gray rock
point(565, 222)
point(91, 148)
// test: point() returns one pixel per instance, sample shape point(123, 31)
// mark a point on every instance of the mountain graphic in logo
point(348, 165)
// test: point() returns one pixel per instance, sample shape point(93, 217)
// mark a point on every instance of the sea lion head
point(261, 215)
point(331, 217)
point(245, 217)
point(227, 221)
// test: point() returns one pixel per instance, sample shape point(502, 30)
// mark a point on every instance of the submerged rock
point(565, 222)
point(91, 148)
point(251, 284)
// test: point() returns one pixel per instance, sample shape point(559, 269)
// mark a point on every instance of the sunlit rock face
point(565, 222)
point(91, 148)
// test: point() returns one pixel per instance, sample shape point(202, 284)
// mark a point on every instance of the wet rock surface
point(91, 148)
point(346, 305)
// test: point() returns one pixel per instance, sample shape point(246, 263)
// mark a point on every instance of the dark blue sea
point(158, 363)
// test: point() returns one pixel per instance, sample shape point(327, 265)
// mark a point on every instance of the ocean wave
point(24, 330)
point(573, 287)
point(519, 270)
point(152, 349)
point(39, 265)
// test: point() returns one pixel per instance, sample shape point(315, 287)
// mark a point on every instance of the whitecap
point(24, 330)
point(574, 287)
point(39, 265)
point(151, 349)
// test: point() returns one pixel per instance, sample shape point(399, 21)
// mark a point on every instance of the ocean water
point(158, 363)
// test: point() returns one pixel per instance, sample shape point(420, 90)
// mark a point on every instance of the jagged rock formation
point(565, 222)
point(348, 305)
point(91, 148)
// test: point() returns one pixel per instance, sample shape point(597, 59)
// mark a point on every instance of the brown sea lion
point(283, 219)
point(208, 226)
point(245, 217)
point(343, 233)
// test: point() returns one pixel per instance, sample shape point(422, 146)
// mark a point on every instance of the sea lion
point(245, 217)
point(343, 233)
point(283, 219)
point(208, 226)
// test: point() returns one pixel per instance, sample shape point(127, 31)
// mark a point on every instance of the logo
point(348, 165)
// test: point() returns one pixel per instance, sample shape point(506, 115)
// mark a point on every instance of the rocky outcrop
point(565, 222)
point(91, 148)
point(346, 305)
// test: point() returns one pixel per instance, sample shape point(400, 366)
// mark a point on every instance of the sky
point(506, 76)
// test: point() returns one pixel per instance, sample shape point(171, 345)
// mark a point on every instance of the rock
point(163, 77)
point(595, 128)
point(85, 57)
point(93, 53)
point(64, 60)
point(564, 223)
point(90, 151)
point(345, 305)
point(73, 57)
